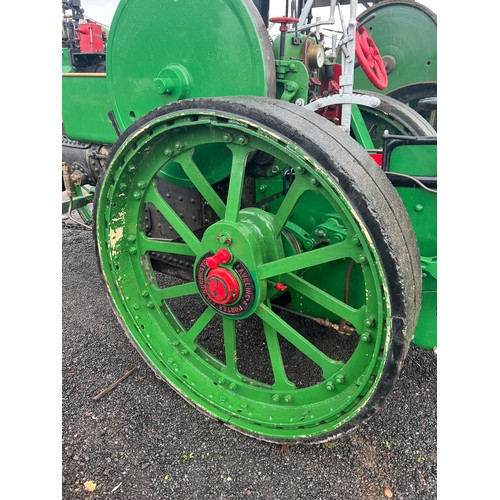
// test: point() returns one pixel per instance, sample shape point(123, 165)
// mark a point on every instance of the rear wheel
point(395, 117)
point(225, 231)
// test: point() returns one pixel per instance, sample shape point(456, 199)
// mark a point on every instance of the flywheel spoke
point(153, 196)
point(327, 365)
point(280, 378)
point(200, 182)
point(324, 299)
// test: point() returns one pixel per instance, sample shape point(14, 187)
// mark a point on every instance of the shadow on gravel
point(142, 440)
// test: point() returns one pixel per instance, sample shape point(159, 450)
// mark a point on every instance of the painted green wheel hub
point(227, 271)
point(230, 335)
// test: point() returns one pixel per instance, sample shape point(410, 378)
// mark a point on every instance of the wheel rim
point(394, 117)
point(259, 244)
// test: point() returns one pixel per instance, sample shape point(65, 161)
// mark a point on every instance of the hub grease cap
point(222, 286)
point(230, 292)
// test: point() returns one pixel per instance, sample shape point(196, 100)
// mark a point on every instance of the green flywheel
point(153, 59)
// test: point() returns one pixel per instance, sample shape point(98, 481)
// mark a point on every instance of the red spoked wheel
point(284, 20)
point(370, 59)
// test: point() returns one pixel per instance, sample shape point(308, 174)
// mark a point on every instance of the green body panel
point(407, 33)
point(422, 209)
point(426, 331)
point(160, 51)
point(85, 106)
point(66, 63)
point(421, 204)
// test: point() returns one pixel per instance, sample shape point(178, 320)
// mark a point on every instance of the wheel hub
point(222, 286)
point(226, 271)
point(231, 291)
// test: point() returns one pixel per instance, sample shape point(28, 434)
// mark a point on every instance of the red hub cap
point(222, 286)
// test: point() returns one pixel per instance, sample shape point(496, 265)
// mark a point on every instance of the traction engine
point(265, 227)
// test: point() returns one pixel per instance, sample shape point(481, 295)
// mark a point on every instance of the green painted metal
point(407, 33)
point(421, 206)
point(360, 130)
point(291, 81)
point(152, 62)
point(273, 410)
point(422, 209)
point(292, 76)
point(426, 331)
point(85, 106)
point(160, 51)
point(370, 124)
point(213, 159)
point(66, 63)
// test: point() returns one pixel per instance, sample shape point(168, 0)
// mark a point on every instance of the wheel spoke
point(307, 259)
point(324, 299)
point(359, 128)
point(228, 326)
point(200, 182)
point(327, 365)
point(163, 246)
point(297, 189)
point(153, 196)
point(280, 378)
point(175, 291)
point(192, 334)
point(240, 155)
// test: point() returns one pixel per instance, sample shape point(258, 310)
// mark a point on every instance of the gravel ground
point(142, 440)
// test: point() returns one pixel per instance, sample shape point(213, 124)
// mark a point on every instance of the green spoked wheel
point(232, 302)
point(394, 117)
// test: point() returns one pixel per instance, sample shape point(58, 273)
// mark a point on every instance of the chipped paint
point(116, 231)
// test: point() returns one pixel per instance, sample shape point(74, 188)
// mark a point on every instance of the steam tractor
point(265, 227)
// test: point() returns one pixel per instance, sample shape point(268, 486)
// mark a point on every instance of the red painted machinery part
point(370, 59)
point(90, 36)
